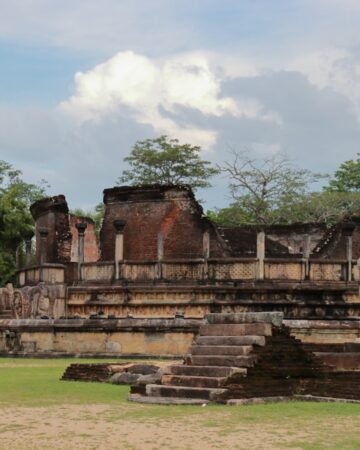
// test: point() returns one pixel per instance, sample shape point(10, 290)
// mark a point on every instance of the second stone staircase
point(226, 347)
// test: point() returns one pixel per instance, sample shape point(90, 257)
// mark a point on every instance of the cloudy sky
point(82, 80)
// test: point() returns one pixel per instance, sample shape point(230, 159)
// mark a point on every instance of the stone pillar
point(119, 226)
point(206, 245)
point(206, 253)
point(43, 232)
point(260, 254)
point(347, 233)
point(81, 227)
point(306, 255)
point(160, 246)
point(28, 247)
point(160, 253)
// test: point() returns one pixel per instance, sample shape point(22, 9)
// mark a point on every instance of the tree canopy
point(166, 161)
point(347, 177)
point(16, 197)
point(273, 191)
point(265, 190)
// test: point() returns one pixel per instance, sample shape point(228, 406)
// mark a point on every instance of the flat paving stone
point(167, 400)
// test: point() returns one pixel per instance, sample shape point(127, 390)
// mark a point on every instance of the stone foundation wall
point(336, 340)
point(112, 338)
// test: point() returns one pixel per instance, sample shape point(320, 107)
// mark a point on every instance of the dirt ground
point(102, 427)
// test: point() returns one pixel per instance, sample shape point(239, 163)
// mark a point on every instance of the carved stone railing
point(47, 273)
point(217, 270)
point(100, 271)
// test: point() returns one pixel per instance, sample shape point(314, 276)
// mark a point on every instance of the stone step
point(221, 349)
point(217, 360)
point(231, 340)
point(183, 380)
point(204, 371)
point(87, 372)
point(274, 318)
point(340, 361)
point(242, 329)
point(167, 400)
point(159, 390)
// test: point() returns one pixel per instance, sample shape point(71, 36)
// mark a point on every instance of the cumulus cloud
point(154, 91)
point(333, 68)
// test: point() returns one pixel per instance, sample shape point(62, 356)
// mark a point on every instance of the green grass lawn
point(35, 383)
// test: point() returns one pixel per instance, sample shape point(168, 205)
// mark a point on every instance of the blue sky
point(82, 80)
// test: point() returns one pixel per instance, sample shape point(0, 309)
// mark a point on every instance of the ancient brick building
point(160, 265)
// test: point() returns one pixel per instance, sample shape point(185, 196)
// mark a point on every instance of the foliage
point(264, 190)
point(166, 161)
point(230, 216)
point(16, 197)
point(347, 177)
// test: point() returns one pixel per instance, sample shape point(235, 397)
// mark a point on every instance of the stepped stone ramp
point(235, 356)
point(339, 357)
point(88, 372)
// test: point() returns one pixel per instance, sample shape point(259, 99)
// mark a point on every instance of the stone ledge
point(275, 318)
point(167, 400)
point(154, 325)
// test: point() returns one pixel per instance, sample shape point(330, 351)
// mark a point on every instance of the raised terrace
point(158, 258)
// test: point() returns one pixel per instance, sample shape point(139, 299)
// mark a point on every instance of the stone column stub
point(119, 225)
point(43, 232)
point(81, 227)
point(347, 231)
point(306, 255)
point(260, 254)
point(28, 236)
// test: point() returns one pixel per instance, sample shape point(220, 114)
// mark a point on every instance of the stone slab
point(167, 400)
point(257, 400)
point(274, 318)
point(234, 350)
point(231, 340)
point(238, 329)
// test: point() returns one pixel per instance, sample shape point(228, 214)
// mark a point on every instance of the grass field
point(38, 411)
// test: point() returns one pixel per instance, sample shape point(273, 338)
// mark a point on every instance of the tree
point(266, 191)
point(166, 161)
point(16, 197)
point(347, 177)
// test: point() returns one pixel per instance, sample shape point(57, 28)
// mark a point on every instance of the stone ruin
point(159, 266)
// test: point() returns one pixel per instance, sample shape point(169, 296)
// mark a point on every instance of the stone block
point(274, 318)
point(124, 378)
point(243, 329)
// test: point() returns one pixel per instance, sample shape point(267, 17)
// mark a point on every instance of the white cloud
point(155, 91)
point(334, 68)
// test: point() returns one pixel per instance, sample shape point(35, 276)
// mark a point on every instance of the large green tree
point(166, 161)
point(15, 219)
point(347, 177)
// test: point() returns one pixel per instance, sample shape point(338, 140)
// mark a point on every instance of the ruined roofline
point(57, 203)
point(145, 192)
point(279, 228)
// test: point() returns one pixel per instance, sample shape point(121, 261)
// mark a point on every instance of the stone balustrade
point(227, 269)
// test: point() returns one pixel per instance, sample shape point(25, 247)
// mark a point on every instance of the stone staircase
point(235, 355)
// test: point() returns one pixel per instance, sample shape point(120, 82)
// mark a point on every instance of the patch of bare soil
point(107, 427)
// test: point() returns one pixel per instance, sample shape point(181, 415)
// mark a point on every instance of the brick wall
point(150, 210)
point(53, 214)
